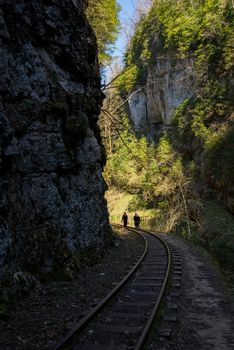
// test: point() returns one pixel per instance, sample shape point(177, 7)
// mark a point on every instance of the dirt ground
point(205, 310)
point(206, 306)
point(42, 318)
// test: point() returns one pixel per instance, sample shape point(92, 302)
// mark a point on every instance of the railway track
point(122, 320)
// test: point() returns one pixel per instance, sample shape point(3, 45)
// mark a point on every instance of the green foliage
point(153, 173)
point(103, 16)
point(200, 147)
point(127, 79)
point(219, 159)
point(223, 249)
point(126, 164)
point(217, 233)
point(205, 123)
point(202, 27)
point(203, 30)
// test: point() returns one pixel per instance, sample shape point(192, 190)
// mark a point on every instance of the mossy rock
point(58, 109)
point(76, 128)
point(47, 255)
point(3, 311)
point(28, 105)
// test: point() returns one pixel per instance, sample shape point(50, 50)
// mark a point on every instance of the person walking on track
point(125, 219)
point(136, 220)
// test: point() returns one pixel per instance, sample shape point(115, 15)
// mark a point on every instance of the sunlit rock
point(169, 83)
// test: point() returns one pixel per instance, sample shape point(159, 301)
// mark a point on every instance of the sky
point(127, 11)
point(128, 15)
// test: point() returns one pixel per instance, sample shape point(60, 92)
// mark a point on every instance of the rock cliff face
point(169, 83)
point(52, 207)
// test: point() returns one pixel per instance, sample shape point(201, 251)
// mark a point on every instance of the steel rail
point(149, 323)
point(92, 313)
point(153, 315)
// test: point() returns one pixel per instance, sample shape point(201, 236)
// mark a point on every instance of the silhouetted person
point(125, 219)
point(136, 220)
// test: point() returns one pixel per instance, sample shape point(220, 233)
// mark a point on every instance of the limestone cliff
point(182, 66)
point(169, 82)
point(52, 206)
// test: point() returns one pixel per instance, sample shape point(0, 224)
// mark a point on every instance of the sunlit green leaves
point(103, 16)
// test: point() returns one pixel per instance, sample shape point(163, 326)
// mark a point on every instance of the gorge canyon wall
point(169, 82)
point(52, 208)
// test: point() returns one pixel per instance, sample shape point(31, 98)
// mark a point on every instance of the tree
point(103, 16)
point(141, 7)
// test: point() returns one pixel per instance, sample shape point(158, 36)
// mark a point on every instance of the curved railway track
point(122, 320)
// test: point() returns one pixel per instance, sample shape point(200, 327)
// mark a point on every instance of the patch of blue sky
point(126, 14)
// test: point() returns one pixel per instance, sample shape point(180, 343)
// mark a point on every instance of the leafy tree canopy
point(201, 29)
point(103, 16)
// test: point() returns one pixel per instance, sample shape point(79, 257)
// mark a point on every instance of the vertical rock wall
point(52, 206)
point(169, 83)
